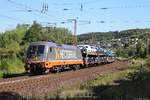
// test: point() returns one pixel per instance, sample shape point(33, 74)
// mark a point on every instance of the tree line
point(14, 43)
point(141, 48)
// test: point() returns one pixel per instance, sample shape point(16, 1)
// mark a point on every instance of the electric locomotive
point(48, 56)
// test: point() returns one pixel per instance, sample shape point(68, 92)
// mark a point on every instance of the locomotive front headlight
point(46, 64)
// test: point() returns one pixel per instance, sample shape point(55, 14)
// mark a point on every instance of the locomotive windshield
point(35, 51)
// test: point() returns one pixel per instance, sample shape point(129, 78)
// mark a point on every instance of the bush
point(11, 66)
point(1, 74)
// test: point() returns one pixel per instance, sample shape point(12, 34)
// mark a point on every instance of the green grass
point(11, 66)
point(109, 78)
point(130, 84)
point(15, 66)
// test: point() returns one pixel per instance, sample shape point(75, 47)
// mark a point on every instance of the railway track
point(43, 84)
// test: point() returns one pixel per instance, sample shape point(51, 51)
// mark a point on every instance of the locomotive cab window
point(35, 50)
point(50, 49)
point(41, 49)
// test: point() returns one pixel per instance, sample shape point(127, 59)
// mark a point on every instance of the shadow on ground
point(10, 75)
point(136, 87)
point(10, 96)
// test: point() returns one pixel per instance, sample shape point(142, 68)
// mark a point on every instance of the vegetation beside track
point(14, 66)
point(129, 84)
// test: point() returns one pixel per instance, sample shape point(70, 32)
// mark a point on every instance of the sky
point(91, 15)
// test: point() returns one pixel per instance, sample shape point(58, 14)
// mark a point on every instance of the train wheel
point(55, 69)
point(75, 67)
point(86, 65)
point(47, 71)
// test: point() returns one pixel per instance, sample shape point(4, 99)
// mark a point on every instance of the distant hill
point(102, 36)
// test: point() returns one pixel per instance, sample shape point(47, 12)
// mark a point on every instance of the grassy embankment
point(125, 84)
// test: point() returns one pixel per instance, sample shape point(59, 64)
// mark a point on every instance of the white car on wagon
point(88, 48)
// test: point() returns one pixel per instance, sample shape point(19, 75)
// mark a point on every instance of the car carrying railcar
point(48, 56)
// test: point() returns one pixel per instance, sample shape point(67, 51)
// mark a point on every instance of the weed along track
point(43, 84)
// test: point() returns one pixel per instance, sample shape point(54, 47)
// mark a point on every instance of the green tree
point(140, 47)
point(34, 33)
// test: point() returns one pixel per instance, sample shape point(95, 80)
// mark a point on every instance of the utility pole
point(74, 31)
